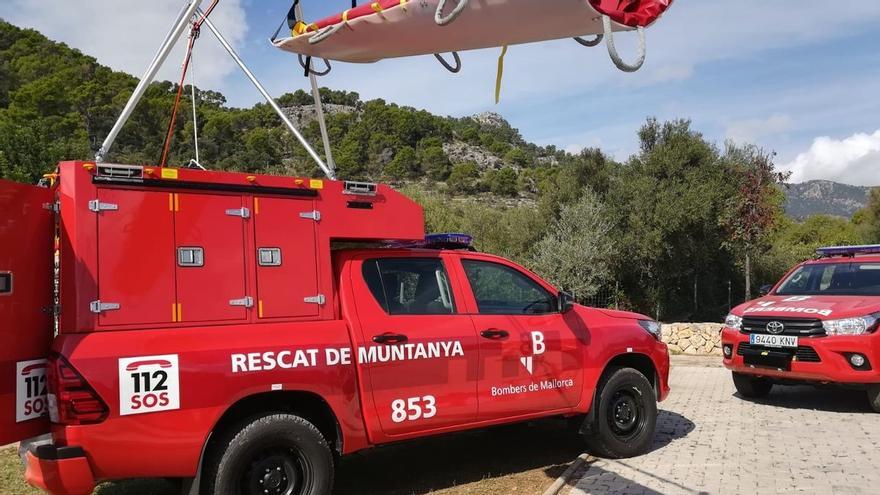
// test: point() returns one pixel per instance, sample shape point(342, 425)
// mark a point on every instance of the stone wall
point(693, 338)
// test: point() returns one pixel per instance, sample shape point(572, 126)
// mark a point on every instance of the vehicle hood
point(821, 307)
point(622, 314)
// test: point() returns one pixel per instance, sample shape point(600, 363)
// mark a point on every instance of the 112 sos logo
point(30, 390)
point(148, 384)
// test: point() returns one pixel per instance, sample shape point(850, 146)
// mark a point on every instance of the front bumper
point(59, 470)
point(833, 354)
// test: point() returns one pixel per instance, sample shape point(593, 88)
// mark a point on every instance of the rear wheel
point(279, 454)
point(625, 415)
point(751, 387)
point(874, 397)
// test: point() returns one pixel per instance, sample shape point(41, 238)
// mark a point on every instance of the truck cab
point(817, 325)
point(241, 332)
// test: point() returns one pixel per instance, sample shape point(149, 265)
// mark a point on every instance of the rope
point(193, 35)
point(450, 68)
point(166, 146)
point(612, 50)
point(500, 76)
point(590, 43)
point(441, 20)
point(192, 85)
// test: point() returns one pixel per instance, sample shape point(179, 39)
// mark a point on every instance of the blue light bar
point(450, 239)
point(439, 241)
point(827, 252)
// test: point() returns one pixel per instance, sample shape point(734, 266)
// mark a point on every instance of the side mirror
point(764, 290)
point(565, 301)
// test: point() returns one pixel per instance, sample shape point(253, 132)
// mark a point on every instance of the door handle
point(494, 334)
point(390, 338)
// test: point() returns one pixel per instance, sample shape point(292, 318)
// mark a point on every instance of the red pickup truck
point(818, 325)
point(241, 332)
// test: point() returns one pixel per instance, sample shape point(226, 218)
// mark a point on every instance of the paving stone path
point(800, 440)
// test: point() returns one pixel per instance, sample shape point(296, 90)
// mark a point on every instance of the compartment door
point(209, 233)
point(287, 271)
point(26, 264)
point(135, 257)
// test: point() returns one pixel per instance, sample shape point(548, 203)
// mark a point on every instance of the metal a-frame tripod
point(190, 9)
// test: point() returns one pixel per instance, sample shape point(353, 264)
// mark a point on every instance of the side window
point(501, 290)
point(409, 286)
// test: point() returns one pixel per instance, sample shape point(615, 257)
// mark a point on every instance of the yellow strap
point(345, 16)
point(403, 4)
point(500, 75)
point(301, 28)
point(377, 7)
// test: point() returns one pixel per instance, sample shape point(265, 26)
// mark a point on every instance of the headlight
point(652, 327)
point(852, 326)
point(733, 321)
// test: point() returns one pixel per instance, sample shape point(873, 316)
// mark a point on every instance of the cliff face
point(824, 197)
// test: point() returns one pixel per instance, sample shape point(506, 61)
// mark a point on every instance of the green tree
point(667, 201)
point(502, 182)
point(867, 220)
point(464, 178)
point(577, 252)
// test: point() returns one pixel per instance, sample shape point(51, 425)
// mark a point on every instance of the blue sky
point(800, 77)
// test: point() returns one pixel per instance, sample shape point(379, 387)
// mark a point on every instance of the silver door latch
point(239, 212)
point(247, 302)
point(98, 307)
point(97, 206)
point(311, 215)
point(319, 299)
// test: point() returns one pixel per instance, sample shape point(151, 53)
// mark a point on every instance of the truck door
point(26, 264)
point(530, 354)
point(418, 352)
point(209, 236)
point(287, 267)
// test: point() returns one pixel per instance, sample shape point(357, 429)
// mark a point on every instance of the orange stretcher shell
point(395, 28)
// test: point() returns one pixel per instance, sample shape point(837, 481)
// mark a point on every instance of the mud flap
point(26, 329)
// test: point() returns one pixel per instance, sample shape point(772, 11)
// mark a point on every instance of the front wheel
point(625, 415)
point(874, 397)
point(279, 454)
point(751, 387)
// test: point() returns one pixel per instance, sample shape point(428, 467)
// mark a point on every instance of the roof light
point(826, 252)
point(439, 241)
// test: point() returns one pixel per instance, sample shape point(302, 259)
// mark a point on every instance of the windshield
point(833, 279)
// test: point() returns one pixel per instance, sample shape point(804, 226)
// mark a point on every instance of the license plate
point(773, 340)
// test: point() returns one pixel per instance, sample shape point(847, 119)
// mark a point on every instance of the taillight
point(72, 401)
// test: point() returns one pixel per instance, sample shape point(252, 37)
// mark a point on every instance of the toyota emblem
point(775, 327)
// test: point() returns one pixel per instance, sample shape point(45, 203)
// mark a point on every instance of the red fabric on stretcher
point(633, 13)
point(359, 11)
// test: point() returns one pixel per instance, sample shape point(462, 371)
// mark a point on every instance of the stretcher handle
point(442, 20)
point(325, 33)
point(612, 50)
point(450, 68)
point(590, 43)
point(306, 64)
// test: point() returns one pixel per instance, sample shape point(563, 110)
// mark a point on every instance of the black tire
point(874, 397)
point(625, 415)
point(281, 453)
point(752, 387)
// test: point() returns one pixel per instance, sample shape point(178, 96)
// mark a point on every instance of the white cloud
point(752, 130)
point(853, 160)
point(126, 34)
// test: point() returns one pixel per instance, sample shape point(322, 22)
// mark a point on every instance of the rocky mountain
point(824, 197)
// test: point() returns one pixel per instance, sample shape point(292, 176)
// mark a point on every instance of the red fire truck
point(817, 325)
point(240, 332)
